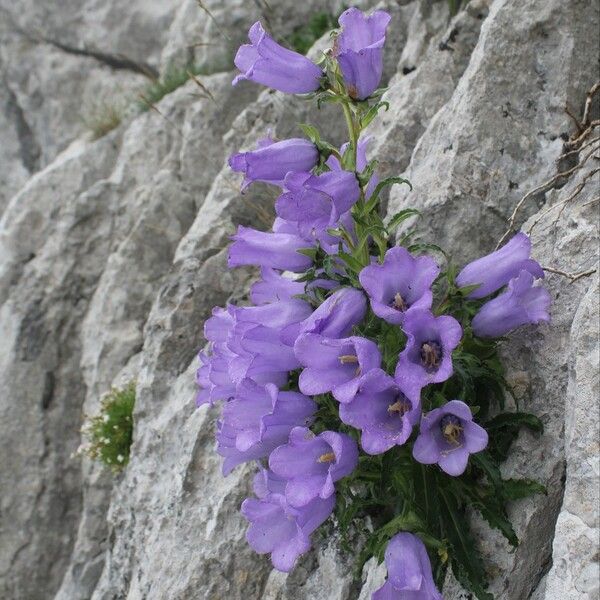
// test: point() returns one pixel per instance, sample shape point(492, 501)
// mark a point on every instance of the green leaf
point(310, 252)
point(504, 429)
point(399, 217)
point(464, 558)
point(352, 262)
point(372, 113)
point(311, 132)
point(515, 489)
point(372, 202)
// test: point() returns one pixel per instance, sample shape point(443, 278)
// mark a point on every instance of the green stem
point(352, 132)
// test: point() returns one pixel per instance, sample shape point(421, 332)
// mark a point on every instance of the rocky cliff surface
point(113, 253)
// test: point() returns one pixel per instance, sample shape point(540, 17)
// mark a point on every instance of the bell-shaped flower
point(274, 286)
point(521, 304)
point(447, 436)
point(312, 464)
point(427, 357)
point(383, 412)
point(266, 249)
point(316, 202)
point(400, 285)
point(334, 365)
point(278, 529)
point(409, 571)
point(359, 50)
point(495, 270)
point(257, 420)
point(272, 161)
point(264, 61)
point(336, 317)
point(213, 379)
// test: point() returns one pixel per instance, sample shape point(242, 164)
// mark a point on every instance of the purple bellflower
point(359, 50)
point(400, 285)
point(520, 304)
point(272, 161)
point(427, 357)
point(278, 529)
point(335, 317)
point(273, 286)
point(334, 365)
point(311, 464)
point(257, 420)
point(447, 436)
point(495, 270)
point(409, 571)
point(316, 202)
point(266, 249)
point(264, 61)
point(382, 411)
point(213, 379)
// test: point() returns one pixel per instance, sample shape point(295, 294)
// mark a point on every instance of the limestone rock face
point(113, 253)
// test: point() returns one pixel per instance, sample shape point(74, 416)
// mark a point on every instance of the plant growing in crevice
point(172, 79)
point(108, 435)
point(364, 379)
point(101, 117)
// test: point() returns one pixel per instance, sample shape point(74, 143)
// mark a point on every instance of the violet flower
point(264, 61)
point(316, 202)
point(495, 270)
point(447, 436)
point(400, 285)
point(519, 305)
point(427, 357)
point(213, 379)
point(335, 317)
point(311, 464)
point(334, 365)
point(272, 161)
point(257, 420)
point(273, 286)
point(409, 571)
point(278, 529)
point(359, 50)
point(265, 249)
point(383, 411)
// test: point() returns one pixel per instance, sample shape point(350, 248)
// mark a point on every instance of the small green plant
point(304, 36)
point(110, 432)
point(102, 117)
point(172, 79)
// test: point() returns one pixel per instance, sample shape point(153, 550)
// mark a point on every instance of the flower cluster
point(342, 317)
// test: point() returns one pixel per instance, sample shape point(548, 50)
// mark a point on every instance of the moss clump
point(304, 36)
point(109, 434)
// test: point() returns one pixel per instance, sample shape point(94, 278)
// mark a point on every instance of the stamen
point(401, 406)
point(398, 302)
point(326, 458)
point(431, 354)
point(347, 359)
point(452, 429)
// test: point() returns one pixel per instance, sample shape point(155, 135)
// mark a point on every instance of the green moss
point(304, 36)
point(109, 434)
